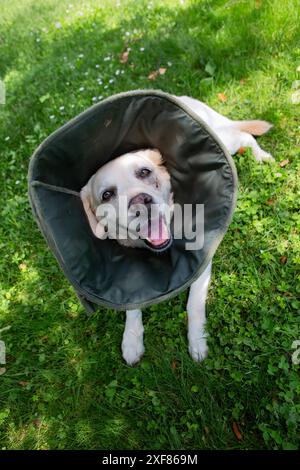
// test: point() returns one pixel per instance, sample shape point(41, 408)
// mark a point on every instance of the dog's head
point(130, 199)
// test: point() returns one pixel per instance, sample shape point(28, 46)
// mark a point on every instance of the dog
point(142, 179)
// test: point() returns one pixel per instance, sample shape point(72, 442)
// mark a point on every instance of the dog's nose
point(141, 198)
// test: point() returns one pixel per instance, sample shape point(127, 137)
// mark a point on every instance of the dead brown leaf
point(174, 364)
point(242, 81)
point(2, 370)
point(124, 57)
point(222, 97)
point(45, 338)
point(236, 431)
point(270, 201)
point(284, 163)
point(283, 259)
point(153, 75)
point(162, 70)
point(241, 151)
point(22, 267)
point(23, 383)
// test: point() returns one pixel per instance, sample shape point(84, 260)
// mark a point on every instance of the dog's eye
point(107, 195)
point(144, 172)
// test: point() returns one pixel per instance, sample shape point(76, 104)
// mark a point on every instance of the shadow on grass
point(67, 385)
point(232, 39)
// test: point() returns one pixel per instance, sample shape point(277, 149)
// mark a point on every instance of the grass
point(65, 384)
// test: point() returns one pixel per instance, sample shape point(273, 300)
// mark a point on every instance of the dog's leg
point(234, 139)
point(196, 316)
point(132, 343)
point(247, 140)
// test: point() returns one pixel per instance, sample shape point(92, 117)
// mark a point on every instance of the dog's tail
point(255, 127)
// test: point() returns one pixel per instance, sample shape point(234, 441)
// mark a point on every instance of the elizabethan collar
point(202, 172)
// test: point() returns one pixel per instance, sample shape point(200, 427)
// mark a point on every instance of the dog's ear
point(155, 156)
point(97, 228)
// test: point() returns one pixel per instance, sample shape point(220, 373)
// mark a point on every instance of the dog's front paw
point(132, 346)
point(198, 348)
point(262, 156)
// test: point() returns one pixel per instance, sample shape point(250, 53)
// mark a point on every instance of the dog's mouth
point(159, 237)
point(161, 247)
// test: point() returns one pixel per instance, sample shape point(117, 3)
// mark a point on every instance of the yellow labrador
point(137, 182)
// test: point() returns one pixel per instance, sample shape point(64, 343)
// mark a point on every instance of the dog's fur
point(122, 177)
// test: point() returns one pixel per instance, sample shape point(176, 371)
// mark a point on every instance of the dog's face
point(133, 192)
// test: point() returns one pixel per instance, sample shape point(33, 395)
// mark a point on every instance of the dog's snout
point(141, 198)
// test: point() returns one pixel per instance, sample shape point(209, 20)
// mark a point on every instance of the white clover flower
point(117, 72)
point(142, 49)
point(111, 80)
point(52, 116)
point(94, 98)
point(80, 56)
point(58, 25)
point(61, 108)
point(81, 88)
point(7, 138)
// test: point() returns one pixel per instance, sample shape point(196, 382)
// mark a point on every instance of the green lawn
point(65, 385)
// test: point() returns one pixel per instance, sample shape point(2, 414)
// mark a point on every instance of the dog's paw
point(263, 156)
point(198, 348)
point(132, 346)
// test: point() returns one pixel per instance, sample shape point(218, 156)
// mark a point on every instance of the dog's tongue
point(158, 232)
